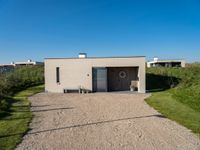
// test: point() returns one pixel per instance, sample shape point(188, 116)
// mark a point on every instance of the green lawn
point(15, 122)
point(164, 103)
point(179, 94)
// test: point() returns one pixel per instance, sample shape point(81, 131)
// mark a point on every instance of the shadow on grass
point(157, 83)
point(7, 118)
point(87, 124)
point(6, 105)
point(3, 114)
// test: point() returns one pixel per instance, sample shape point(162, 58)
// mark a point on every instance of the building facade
point(95, 74)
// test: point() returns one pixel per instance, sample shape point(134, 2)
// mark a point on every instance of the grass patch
point(173, 109)
point(14, 122)
point(179, 97)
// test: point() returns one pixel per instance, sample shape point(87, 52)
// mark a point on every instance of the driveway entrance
point(102, 121)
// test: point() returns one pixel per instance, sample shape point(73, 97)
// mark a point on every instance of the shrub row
point(187, 90)
point(19, 79)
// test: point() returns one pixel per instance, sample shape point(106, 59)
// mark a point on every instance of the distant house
point(96, 74)
point(27, 63)
point(166, 63)
point(12, 65)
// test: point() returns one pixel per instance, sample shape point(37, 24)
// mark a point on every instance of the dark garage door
point(99, 79)
point(119, 78)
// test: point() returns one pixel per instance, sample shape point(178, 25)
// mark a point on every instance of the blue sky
point(36, 29)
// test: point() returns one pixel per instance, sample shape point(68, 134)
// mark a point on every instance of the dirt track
point(102, 121)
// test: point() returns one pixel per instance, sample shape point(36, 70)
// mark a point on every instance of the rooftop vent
point(82, 55)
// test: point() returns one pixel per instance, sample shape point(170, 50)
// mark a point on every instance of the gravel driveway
point(102, 121)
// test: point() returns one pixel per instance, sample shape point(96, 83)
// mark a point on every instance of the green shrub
point(4, 105)
point(187, 89)
point(18, 79)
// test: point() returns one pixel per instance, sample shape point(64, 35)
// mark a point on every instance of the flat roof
point(172, 60)
point(98, 57)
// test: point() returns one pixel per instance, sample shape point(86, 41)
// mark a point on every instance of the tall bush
point(20, 78)
point(188, 89)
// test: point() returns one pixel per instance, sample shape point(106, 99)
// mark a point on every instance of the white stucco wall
point(78, 72)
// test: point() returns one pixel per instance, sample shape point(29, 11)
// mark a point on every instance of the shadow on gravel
point(43, 110)
point(33, 106)
point(87, 124)
point(52, 109)
point(40, 105)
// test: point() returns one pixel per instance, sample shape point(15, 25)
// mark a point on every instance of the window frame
point(57, 74)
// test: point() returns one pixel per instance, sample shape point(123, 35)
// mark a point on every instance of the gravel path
point(106, 121)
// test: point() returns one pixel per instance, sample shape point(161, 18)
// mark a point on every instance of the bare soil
point(106, 121)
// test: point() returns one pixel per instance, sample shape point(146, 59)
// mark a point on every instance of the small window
point(57, 74)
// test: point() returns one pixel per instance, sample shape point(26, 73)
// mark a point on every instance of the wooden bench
point(80, 90)
point(71, 91)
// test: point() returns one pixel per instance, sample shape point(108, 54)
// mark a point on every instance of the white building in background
point(166, 63)
point(26, 63)
point(7, 67)
point(22, 63)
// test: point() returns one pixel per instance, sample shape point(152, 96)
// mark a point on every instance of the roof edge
point(100, 57)
point(166, 60)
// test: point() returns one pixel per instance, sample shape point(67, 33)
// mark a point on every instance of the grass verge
point(165, 103)
point(16, 120)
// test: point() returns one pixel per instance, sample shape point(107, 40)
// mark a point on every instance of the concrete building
point(95, 74)
point(166, 63)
